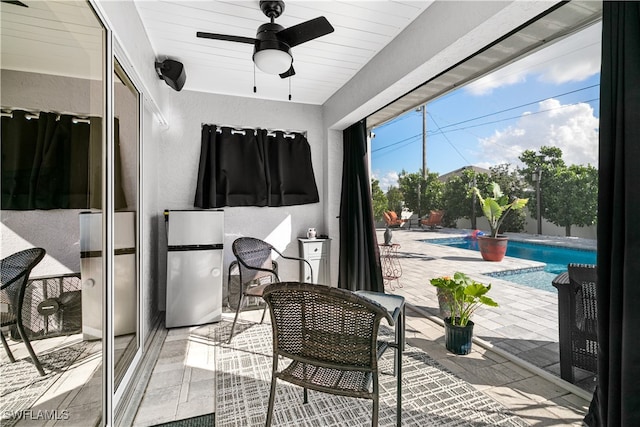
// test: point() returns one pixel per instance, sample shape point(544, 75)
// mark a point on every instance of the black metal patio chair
point(14, 276)
point(330, 336)
point(256, 270)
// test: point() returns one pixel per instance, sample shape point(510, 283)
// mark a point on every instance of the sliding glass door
point(54, 98)
point(71, 184)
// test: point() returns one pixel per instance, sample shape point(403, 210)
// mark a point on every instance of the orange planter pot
point(492, 248)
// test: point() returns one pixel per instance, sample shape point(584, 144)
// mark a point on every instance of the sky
point(549, 98)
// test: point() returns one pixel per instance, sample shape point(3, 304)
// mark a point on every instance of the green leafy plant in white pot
point(463, 296)
point(496, 208)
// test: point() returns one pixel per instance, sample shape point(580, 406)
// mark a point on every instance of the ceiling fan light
point(273, 61)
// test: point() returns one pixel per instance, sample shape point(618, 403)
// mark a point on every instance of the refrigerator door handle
point(182, 248)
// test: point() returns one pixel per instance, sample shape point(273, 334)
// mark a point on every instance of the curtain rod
point(31, 115)
point(287, 132)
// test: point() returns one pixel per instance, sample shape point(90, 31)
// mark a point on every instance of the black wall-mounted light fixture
point(172, 72)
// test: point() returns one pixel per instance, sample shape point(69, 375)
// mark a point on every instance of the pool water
point(556, 259)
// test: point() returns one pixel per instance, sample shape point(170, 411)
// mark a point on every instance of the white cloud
point(386, 179)
point(574, 58)
point(573, 128)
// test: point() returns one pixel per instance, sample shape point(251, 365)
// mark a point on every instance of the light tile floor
point(535, 399)
point(182, 384)
point(525, 325)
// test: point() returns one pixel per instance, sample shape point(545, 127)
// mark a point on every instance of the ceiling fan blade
point(225, 37)
point(305, 31)
point(290, 72)
point(15, 2)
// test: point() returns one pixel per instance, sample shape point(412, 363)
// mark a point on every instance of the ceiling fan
point(273, 42)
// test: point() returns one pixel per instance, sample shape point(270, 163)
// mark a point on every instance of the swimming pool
point(556, 259)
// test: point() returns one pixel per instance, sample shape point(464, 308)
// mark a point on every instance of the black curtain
point(54, 162)
point(359, 267)
point(254, 168)
point(616, 401)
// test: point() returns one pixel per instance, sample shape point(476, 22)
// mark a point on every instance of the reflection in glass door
point(53, 139)
point(126, 131)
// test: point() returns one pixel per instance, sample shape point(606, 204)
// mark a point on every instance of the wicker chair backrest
point(254, 259)
point(14, 274)
point(329, 326)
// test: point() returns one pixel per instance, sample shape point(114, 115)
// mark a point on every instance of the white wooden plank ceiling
point(64, 38)
point(52, 37)
point(323, 65)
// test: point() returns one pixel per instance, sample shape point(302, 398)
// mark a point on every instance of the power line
point(440, 131)
point(517, 117)
point(520, 106)
point(406, 116)
point(396, 143)
point(450, 143)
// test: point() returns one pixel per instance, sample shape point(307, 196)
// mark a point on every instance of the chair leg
point(6, 347)
point(305, 396)
point(272, 398)
point(374, 414)
point(32, 353)
point(235, 319)
point(376, 401)
point(263, 313)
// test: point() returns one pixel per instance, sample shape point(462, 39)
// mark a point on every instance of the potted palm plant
point(463, 296)
point(496, 208)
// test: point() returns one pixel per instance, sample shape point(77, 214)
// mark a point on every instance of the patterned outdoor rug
point(21, 385)
point(432, 396)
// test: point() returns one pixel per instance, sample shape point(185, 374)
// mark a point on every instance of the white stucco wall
point(531, 227)
point(180, 154)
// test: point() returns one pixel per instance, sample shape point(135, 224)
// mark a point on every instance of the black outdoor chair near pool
point(578, 319)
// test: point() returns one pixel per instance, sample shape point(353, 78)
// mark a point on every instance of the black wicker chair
point(256, 269)
point(330, 336)
point(14, 276)
point(578, 320)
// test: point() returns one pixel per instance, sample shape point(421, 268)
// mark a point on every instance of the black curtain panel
point(290, 177)
point(54, 162)
point(616, 401)
point(359, 267)
point(253, 168)
point(19, 141)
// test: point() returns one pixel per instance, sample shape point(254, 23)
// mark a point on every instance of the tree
point(569, 195)
point(545, 163)
point(379, 199)
point(429, 188)
point(395, 200)
point(512, 185)
point(457, 199)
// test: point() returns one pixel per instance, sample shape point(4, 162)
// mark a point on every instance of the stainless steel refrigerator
point(125, 295)
point(194, 266)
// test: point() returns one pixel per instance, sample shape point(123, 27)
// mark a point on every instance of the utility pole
point(423, 109)
point(473, 203)
point(424, 141)
point(538, 178)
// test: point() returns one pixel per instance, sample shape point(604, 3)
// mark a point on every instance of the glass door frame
point(112, 398)
point(119, 391)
